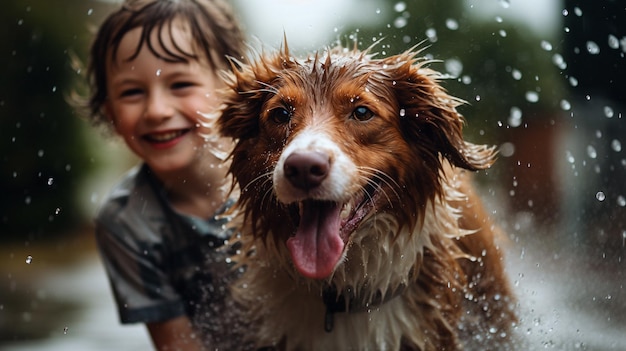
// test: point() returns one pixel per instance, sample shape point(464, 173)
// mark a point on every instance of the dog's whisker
point(265, 175)
point(384, 178)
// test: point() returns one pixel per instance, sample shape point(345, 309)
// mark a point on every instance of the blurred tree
point(43, 156)
point(595, 52)
point(506, 73)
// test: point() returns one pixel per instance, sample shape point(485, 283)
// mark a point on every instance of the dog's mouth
point(324, 230)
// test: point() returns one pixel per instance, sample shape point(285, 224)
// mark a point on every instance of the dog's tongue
point(317, 247)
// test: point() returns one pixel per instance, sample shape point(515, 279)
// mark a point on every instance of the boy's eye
point(130, 92)
point(181, 85)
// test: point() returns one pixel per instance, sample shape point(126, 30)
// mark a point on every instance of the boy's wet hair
point(215, 33)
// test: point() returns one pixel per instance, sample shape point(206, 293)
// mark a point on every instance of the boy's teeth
point(164, 136)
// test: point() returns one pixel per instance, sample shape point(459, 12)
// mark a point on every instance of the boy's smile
point(155, 102)
point(166, 139)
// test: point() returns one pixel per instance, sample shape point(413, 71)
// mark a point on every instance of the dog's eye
point(280, 115)
point(362, 113)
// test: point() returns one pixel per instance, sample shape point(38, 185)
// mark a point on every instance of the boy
point(153, 73)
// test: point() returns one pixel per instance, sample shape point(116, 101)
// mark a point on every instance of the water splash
point(546, 45)
point(517, 74)
point(532, 96)
point(593, 48)
point(452, 24)
point(559, 61)
point(591, 152)
point(400, 22)
point(600, 196)
point(400, 6)
point(515, 117)
point(613, 42)
point(608, 112)
point(616, 145)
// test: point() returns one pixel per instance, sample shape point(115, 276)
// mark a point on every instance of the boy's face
point(155, 104)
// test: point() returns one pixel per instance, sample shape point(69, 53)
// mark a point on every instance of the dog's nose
point(306, 170)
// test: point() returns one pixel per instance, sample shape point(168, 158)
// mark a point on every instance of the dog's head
point(325, 142)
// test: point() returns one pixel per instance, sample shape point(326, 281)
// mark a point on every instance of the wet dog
point(359, 224)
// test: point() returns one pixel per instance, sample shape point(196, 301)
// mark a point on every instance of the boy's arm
point(174, 335)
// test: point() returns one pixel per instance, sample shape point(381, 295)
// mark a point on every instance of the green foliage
point(43, 157)
point(493, 65)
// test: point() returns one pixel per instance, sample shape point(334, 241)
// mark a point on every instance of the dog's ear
point(242, 102)
point(429, 117)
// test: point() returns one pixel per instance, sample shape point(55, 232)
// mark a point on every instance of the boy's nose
point(158, 106)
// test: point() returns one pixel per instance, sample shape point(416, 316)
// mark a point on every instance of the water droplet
point(608, 112)
point(40, 153)
point(570, 157)
point(505, 3)
point(559, 61)
point(27, 200)
point(515, 117)
point(452, 24)
point(158, 72)
point(50, 181)
point(89, 12)
point(573, 81)
point(593, 48)
point(65, 330)
point(621, 200)
point(517, 75)
point(546, 45)
point(613, 42)
point(402, 112)
point(591, 151)
point(502, 33)
point(498, 19)
point(431, 34)
point(400, 6)
point(600, 196)
point(454, 67)
point(400, 22)
point(616, 145)
point(507, 149)
point(29, 259)
point(565, 105)
point(477, 98)
point(532, 96)
point(565, 12)
point(578, 11)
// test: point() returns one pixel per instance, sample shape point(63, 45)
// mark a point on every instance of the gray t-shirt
point(162, 264)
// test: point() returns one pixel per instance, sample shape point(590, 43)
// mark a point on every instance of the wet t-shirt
point(162, 264)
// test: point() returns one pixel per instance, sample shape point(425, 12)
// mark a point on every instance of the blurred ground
point(61, 300)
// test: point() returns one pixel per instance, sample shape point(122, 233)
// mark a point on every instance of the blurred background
point(544, 80)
